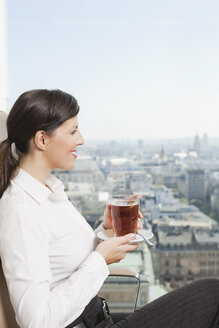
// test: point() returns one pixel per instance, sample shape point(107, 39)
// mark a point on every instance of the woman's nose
point(80, 139)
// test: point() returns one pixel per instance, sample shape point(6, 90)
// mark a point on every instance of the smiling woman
point(52, 260)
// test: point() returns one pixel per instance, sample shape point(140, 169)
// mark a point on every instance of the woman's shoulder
point(12, 193)
point(12, 199)
point(17, 211)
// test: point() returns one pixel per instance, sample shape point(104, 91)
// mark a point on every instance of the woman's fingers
point(140, 215)
point(107, 221)
point(136, 196)
point(131, 247)
point(114, 249)
point(125, 239)
point(140, 225)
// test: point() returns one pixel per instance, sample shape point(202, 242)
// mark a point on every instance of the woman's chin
point(67, 167)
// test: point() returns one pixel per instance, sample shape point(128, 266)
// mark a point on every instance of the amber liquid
point(125, 219)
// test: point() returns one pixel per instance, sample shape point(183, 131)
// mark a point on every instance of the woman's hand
point(115, 249)
point(107, 218)
point(140, 216)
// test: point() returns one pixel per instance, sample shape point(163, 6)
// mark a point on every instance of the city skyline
point(140, 70)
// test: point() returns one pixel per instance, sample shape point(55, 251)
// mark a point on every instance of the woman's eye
point(73, 132)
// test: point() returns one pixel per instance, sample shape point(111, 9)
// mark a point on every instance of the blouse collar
point(35, 188)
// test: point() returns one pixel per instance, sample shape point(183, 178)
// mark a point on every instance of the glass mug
point(124, 212)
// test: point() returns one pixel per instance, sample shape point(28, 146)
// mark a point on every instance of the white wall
point(3, 58)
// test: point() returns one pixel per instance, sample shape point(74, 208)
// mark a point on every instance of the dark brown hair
point(34, 110)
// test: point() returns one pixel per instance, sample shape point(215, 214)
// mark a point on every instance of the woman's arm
point(24, 250)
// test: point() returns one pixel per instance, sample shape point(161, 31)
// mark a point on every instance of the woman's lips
point(74, 154)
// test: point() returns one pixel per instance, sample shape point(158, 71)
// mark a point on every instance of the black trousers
point(195, 305)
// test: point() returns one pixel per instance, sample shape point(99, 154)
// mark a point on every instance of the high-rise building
point(3, 59)
point(195, 184)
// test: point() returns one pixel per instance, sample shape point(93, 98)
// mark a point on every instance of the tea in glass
point(124, 211)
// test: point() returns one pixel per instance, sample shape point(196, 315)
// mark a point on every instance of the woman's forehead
point(71, 123)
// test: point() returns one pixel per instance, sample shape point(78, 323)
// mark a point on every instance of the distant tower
point(205, 143)
point(140, 143)
point(3, 59)
point(197, 145)
point(163, 156)
point(140, 147)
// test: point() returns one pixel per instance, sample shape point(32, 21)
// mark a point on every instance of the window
point(134, 141)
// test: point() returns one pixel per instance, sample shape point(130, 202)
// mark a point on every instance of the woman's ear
point(41, 139)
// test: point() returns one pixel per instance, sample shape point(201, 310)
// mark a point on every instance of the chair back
point(7, 315)
point(3, 128)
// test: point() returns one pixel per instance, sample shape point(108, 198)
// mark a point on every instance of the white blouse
point(47, 253)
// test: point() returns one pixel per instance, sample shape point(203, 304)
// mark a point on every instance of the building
point(214, 199)
point(181, 185)
point(195, 184)
point(86, 171)
point(184, 254)
point(163, 156)
point(176, 209)
point(197, 145)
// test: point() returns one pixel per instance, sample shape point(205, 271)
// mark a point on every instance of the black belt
point(94, 313)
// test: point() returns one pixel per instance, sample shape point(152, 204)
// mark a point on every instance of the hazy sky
point(139, 68)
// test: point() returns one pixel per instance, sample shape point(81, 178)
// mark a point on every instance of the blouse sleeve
point(24, 253)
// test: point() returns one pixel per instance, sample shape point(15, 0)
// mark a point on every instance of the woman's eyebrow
point(73, 127)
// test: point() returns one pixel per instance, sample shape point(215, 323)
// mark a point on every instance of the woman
point(52, 263)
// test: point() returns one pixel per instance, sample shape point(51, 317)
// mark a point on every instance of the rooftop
point(207, 237)
point(175, 238)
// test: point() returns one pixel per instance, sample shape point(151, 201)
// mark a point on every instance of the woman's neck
point(37, 169)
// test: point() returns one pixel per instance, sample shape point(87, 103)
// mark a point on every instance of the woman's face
point(62, 145)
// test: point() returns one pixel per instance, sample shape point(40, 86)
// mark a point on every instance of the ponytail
point(8, 165)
